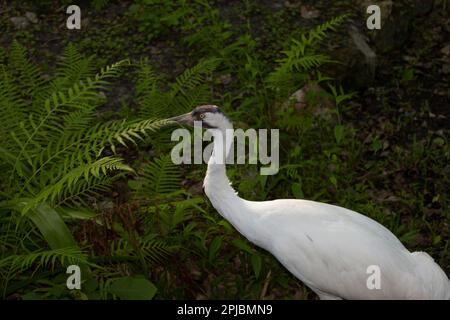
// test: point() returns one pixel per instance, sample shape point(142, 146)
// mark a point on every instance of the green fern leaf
point(160, 177)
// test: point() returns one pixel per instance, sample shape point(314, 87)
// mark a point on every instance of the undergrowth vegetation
point(100, 190)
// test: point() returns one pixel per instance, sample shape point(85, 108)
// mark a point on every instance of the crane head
point(209, 115)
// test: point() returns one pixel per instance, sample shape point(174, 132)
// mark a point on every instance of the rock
point(225, 79)
point(20, 22)
point(358, 60)
point(358, 53)
point(446, 69)
point(309, 12)
point(362, 60)
point(31, 16)
point(105, 205)
point(446, 50)
point(418, 8)
point(396, 19)
point(393, 34)
point(292, 5)
point(314, 100)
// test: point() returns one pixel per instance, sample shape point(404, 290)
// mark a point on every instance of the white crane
point(329, 248)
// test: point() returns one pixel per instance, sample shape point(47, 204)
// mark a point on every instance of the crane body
point(329, 248)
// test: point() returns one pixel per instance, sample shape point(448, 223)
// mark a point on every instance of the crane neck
point(219, 191)
point(216, 183)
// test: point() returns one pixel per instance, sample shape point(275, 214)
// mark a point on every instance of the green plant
point(156, 17)
point(53, 156)
point(58, 155)
point(189, 90)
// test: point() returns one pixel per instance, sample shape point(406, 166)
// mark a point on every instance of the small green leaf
point(133, 288)
point(32, 296)
point(297, 190)
point(226, 225)
point(333, 180)
point(339, 133)
point(376, 144)
point(437, 239)
point(256, 264)
point(90, 285)
point(135, 184)
point(214, 247)
point(52, 227)
point(243, 246)
point(439, 141)
point(75, 213)
point(408, 74)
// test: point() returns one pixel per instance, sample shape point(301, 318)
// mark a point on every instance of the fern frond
point(120, 247)
point(71, 178)
point(77, 121)
point(160, 177)
point(72, 68)
point(121, 132)
point(188, 90)
point(75, 147)
point(99, 4)
point(28, 75)
point(48, 259)
point(320, 32)
point(76, 195)
point(146, 78)
point(193, 77)
point(155, 252)
point(155, 104)
point(48, 127)
point(2, 56)
point(12, 107)
point(192, 98)
point(301, 58)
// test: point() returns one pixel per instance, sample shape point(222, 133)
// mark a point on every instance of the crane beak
point(183, 119)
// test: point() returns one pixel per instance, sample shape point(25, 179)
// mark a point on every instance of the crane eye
point(202, 116)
